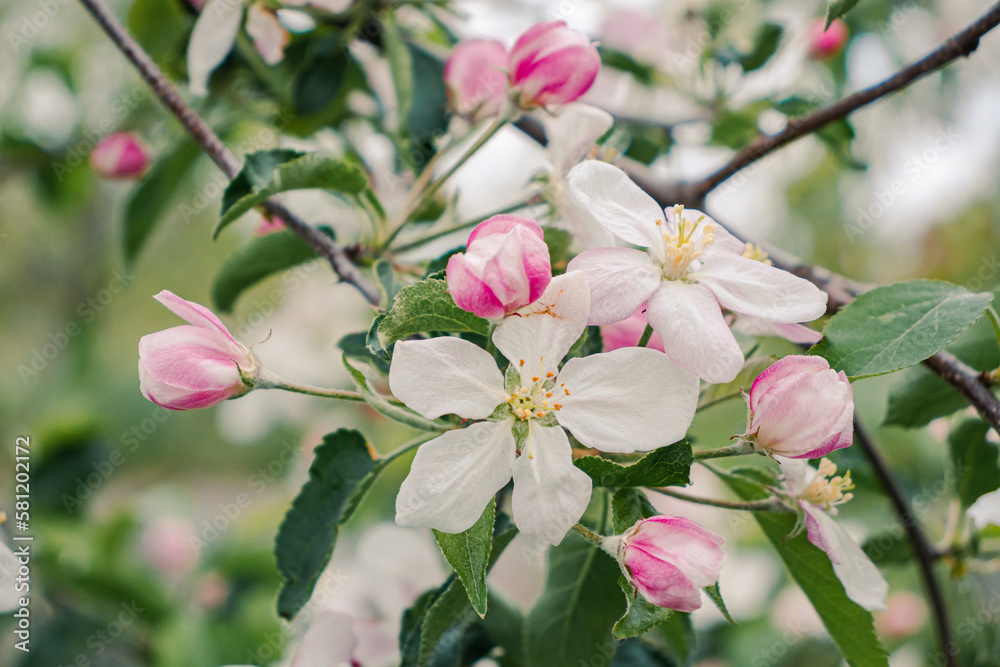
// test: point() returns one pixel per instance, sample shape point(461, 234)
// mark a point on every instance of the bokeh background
point(133, 505)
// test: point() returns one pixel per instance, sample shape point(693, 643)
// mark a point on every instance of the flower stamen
point(828, 489)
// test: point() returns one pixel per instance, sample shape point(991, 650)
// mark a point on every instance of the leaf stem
point(741, 448)
point(772, 504)
point(647, 333)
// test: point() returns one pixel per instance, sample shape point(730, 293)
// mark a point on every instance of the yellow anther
point(534, 378)
point(548, 394)
point(828, 490)
point(557, 406)
point(755, 252)
point(539, 414)
point(522, 362)
point(550, 374)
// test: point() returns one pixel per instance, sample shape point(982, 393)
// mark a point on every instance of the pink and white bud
point(552, 64)
point(193, 366)
point(476, 77)
point(120, 155)
point(669, 560)
point(506, 266)
point(800, 408)
point(825, 42)
point(166, 545)
point(627, 333)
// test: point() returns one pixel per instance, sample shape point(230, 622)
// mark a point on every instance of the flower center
point(756, 253)
point(540, 399)
point(828, 492)
point(680, 247)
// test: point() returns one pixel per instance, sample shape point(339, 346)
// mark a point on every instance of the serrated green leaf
point(765, 44)
point(640, 615)
point(355, 347)
point(838, 8)
point(679, 635)
point(428, 115)
point(975, 459)
point(401, 67)
point(715, 595)
point(148, 201)
point(423, 307)
point(290, 171)
point(628, 506)
point(898, 325)
point(308, 533)
point(468, 553)
point(667, 466)
point(850, 626)
point(572, 620)
point(386, 280)
point(889, 548)
point(255, 261)
point(717, 393)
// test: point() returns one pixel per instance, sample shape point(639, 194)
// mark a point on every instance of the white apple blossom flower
point(691, 269)
point(622, 401)
point(818, 493)
point(986, 510)
point(211, 41)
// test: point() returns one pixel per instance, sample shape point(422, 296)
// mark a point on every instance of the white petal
point(573, 133)
point(550, 493)
point(694, 333)
point(328, 641)
point(626, 400)
point(542, 332)
point(211, 41)
point(8, 570)
point(797, 474)
point(454, 476)
point(617, 203)
point(862, 581)
point(269, 37)
point(753, 288)
point(621, 280)
point(986, 510)
point(446, 375)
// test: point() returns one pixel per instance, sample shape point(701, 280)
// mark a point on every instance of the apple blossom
point(628, 332)
point(801, 408)
point(692, 268)
point(669, 560)
point(793, 333)
point(211, 40)
point(826, 42)
point(552, 64)
point(120, 155)
point(505, 266)
point(622, 401)
point(986, 510)
point(818, 493)
point(269, 37)
point(476, 76)
point(193, 366)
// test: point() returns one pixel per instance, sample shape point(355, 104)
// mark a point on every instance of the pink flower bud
point(166, 545)
point(268, 225)
point(120, 155)
point(669, 560)
point(826, 43)
point(196, 365)
point(801, 408)
point(506, 266)
point(476, 76)
point(627, 333)
point(552, 64)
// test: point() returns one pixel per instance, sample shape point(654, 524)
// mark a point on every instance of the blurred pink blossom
point(120, 155)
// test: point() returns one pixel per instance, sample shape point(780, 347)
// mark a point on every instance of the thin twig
point(222, 156)
point(921, 547)
point(958, 46)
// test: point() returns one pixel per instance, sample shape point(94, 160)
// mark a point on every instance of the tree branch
point(222, 156)
point(958, 46)
point(921, 547)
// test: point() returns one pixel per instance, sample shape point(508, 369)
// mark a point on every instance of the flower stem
point(589, 535)
point(771, 504)
point(267, 380)
point(647, 333)
point(741, 448)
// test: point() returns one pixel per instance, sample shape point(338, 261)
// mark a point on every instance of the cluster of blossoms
point(681, 272)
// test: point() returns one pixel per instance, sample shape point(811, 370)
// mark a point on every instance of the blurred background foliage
point(127, 496)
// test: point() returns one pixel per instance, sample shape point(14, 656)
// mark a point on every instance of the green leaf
point(851, 627)
point(288, 171)
point(571, 623)
point(715, 595)
point(975, 460)
point(667, 466)
point(736, 128)
point(383, 406)
point(558, 241)
point(589, 342)
point(149, 200)
point(644, 73)
point(899, 325)
point(307, 536)
point(386, 280)
point(628, 506)
point(401, 67)
point(765, 44)
point(924, 396)
point(717, 393)
point(838, 8)
point(355, 347)
point(255, 261)
point(424, 307)
point(889, 548)
point(637, 653)
point(469, 553)
point(680, 638)
point(640, 615)
point(428, 115)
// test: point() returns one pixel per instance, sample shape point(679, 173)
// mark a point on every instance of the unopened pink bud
point(828, 42)
point(476, 76)
point(801, 408)
point(506, 266)
point(268, 225)
point(627, 333)
point(120, 155)
point(166, 545)
point(669, 560)
point(193, 366)
point(552, 64)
